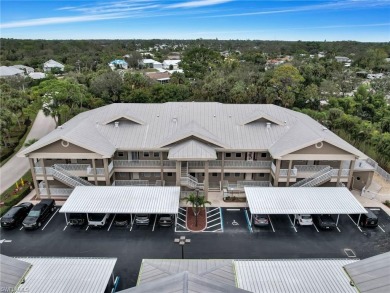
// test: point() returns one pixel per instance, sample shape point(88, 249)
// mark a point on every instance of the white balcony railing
point(232, 164)
point(39, 170)
point(74, 167)
point(56, 191)
point(284, 172)
point(344, 172)
point(131, 183)
point(304, 171)
point(137, 163)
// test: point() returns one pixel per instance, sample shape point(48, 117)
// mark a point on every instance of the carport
point(302, 200)
point(123, 200)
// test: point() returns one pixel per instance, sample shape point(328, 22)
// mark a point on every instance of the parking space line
point(111, 223)
point(272, 226)
point(50, 219)
point(381, 229)
point(181, 226)
point(213, 220)
point(87, 228)
point(21, 228)
point(154, 224)
point(212, 210)
point(248, 222)
point(292, 224)
point(212, 215)
point(357, 225)
point(220, 212)
point(213, 225)
point(182, 214)
point(316, 227)
point(233, 210)
point(338, 228)
point(65, 227)
point(132, 224)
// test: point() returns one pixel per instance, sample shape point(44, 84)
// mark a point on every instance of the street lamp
point(182, 241)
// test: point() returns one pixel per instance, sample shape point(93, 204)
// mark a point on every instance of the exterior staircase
point(316, 179)
point(67, 178)
point(187, 180)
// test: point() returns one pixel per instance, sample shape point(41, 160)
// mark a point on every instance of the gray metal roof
point(184, 282)
point(302, 200)
point(49, 275)
point(192, 150)
point(297, 275)
point(123, 200)
point(54, 64)
point(10, 71)
point(223, 125)
point(12, 272)
point(371, 274)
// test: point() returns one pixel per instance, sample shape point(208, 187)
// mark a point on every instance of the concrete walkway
point(17, 167)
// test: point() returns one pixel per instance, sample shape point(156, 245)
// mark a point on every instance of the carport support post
point(295, 220)
point(277, 171)
point(161, 168)
point(357, 224)
point(45, 178)
point(178, 175)
point(66, 219)
point(351, 167)
point(337, 222)
point(339, 173)
point(34, 177)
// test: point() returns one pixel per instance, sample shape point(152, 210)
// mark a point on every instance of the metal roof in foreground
point(123, 200)
point(302, 200)
point(48, 275)
point(12, 273)
point(297, 275)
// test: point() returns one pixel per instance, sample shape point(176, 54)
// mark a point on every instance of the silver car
point(142, 220)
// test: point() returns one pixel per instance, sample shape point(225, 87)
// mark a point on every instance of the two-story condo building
point(201, 145)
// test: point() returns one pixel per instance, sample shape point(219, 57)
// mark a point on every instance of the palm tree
point(197, 202)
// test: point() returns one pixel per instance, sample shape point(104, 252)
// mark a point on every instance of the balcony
point(283, 173)
point(138, 183)
point(231, 164)
point(143, 164)
point(82, 170)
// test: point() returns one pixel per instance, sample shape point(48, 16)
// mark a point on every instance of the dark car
point(260, 220)
point(39, 214)
point(142, 220)
point(15, 216)
point(122, 220)
point(165, 220)
point(77, 219)
point(325, 222)
point(369, 219)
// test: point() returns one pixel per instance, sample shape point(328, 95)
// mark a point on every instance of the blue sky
point(360, 20)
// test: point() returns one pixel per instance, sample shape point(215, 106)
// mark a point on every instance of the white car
point(97, 220)
point(304, 219)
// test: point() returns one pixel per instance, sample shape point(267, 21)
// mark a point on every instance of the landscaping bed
point(191, 220)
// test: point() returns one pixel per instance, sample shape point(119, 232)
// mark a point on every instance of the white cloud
point(199, 3)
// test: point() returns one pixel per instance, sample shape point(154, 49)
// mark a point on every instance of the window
point(156, 174)
point(214, 174)
point(228, 155)
point(192, 174)
point(227, 174)
point(147, 174)
point(121, 154)
point(170, 174)
point(202, 174)
point(238, 155)
point(156, 155)
point(261, 175)
point(236, 174)
point(263, 155)
point(146, 154)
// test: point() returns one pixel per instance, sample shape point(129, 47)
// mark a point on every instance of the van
point(369, 219)
point(97, 220)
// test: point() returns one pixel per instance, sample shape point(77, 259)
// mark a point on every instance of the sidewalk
point(216, 201)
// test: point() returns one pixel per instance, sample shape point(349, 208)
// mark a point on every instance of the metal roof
point(10, 71)
point(53, 63)
point(123, 200)
point(219, 124)
point(371, 274)
point(192, 150)
point(302, 200)
point(298, 275)
point(12, 273)
point(49, 275)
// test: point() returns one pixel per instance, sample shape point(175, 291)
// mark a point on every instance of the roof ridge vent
point(97, 124)
point(116, 124)
point(268, 125)
point(324, 128)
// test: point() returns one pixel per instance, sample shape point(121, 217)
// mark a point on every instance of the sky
point(358, 20)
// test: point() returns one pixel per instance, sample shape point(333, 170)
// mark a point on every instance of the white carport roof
point(67, 274)
point(302, 200)
point(123, 200)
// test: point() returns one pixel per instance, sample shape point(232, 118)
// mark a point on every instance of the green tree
point(197, 203)
point(197, 62)
point(107, 86)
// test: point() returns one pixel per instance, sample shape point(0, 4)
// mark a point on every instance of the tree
point(197, 62)
point(197, 203)
point(107, 86)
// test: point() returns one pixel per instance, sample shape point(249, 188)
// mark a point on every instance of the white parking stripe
point(212, 210)
point(214, 225)
point(213, 220)
point(21, 228)
point(355, 223)
point(65, 227)
point(338, 228)
point(111, 223)
point(50, 219)
point(381, 228)
point(272, 226)
point(154, 224)
point(292, 223)
point(87, 228)
point(316, 227)
point(212, 215)
point(182, 214)
point(132, 224)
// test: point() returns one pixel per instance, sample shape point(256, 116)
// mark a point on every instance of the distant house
point(37, 75)
point(10, 71)
point(375, 76)
point(118, 63)
point(174, 56)
point(52, 64)
point(26, 69)
point(171, 64)
point(343, 59)
point(161, 77)
point(150, 63)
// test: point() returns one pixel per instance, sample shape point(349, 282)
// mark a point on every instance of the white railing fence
point(380, 171)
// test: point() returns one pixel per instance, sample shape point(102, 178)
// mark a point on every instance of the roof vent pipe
point(116, 124)
point(268, 125)
point(97, 124)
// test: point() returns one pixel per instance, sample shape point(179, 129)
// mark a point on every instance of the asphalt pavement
point(17, 167)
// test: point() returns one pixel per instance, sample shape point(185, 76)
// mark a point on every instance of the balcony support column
point(339, 173)
point(351, 167)
point(289, 173)
point(94, 171)
point(161, 167)
point(106, 173)
point(222, 168)
point(34, 177)
point(178, 172)
point(277, 171)
point(45, 179)
point(206, 179)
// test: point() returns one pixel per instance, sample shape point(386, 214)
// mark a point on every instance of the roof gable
point(122, 117)
point(262, 117)
point(192, 150)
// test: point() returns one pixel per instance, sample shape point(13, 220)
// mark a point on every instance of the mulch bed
point(202, 222)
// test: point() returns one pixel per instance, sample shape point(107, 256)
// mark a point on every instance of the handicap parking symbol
point(234, 223)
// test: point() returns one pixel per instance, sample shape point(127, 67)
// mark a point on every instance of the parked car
point(369, 219)
point(260, 220)
point(39, 213)
point(166, 220)
point(304, 219)
point(15, 216)
point(76, 219)
point(324, 222)
point(122, 220)
point(97, 220)
point(142, 220)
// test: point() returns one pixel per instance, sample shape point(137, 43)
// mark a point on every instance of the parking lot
point(131, 244)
